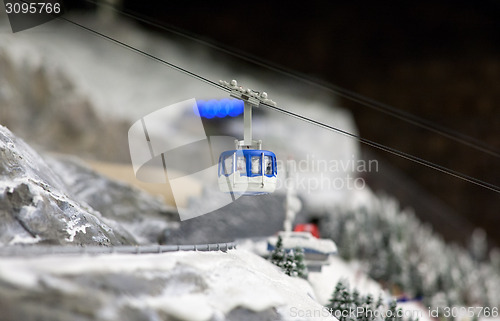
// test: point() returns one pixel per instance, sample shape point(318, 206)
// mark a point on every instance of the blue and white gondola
point(247, 172)
point(247, 169)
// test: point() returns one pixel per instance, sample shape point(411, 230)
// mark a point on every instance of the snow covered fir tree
point(300, 265)
point(291, 262)
point(348, 305)
point(409, 259)
point(278, 255)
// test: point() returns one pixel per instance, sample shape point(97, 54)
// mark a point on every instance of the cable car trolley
point(248, 169)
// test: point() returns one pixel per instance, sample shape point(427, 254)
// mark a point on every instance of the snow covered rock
point(35, 208)
point(146, 217)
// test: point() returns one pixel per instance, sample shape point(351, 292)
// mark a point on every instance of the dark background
point(439, 60)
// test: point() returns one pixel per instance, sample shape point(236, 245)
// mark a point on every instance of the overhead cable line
point(342, 92)
point(295, 115)
point(146, 54)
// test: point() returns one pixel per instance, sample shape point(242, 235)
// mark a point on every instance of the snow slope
point(337, 269)
point(191, 286)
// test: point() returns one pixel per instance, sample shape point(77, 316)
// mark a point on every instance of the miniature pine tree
point(345, 303)
point(367, 305)
point(292, 262)
point(368, 300)
point(334, 303)
point(340, 301)
point(356, 298)
point(357, 305)
point(380, 301)
point(300, 265)
point(392, 312)
point(290, 266)
point(278, 255)
point(341, 298)
point(399, 314)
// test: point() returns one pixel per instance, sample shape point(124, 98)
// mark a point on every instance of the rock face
point(34, 207)
point(144, 216)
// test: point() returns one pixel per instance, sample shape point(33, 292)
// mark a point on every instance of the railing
point(32, 250)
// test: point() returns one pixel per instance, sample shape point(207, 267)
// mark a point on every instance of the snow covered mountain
point(190, 286)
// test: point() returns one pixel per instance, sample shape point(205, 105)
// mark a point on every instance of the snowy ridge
point(191, 286)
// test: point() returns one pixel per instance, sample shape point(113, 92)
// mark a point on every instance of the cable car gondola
point(247, 169)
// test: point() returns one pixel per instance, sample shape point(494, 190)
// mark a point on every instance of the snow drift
point(191, 286)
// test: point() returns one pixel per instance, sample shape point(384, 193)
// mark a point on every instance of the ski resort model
point(314, 249)
point(248, 169)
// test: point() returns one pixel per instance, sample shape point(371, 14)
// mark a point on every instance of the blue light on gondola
point(211, 107)
point(219, 108)
point(237, 107)
point(222, 109)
